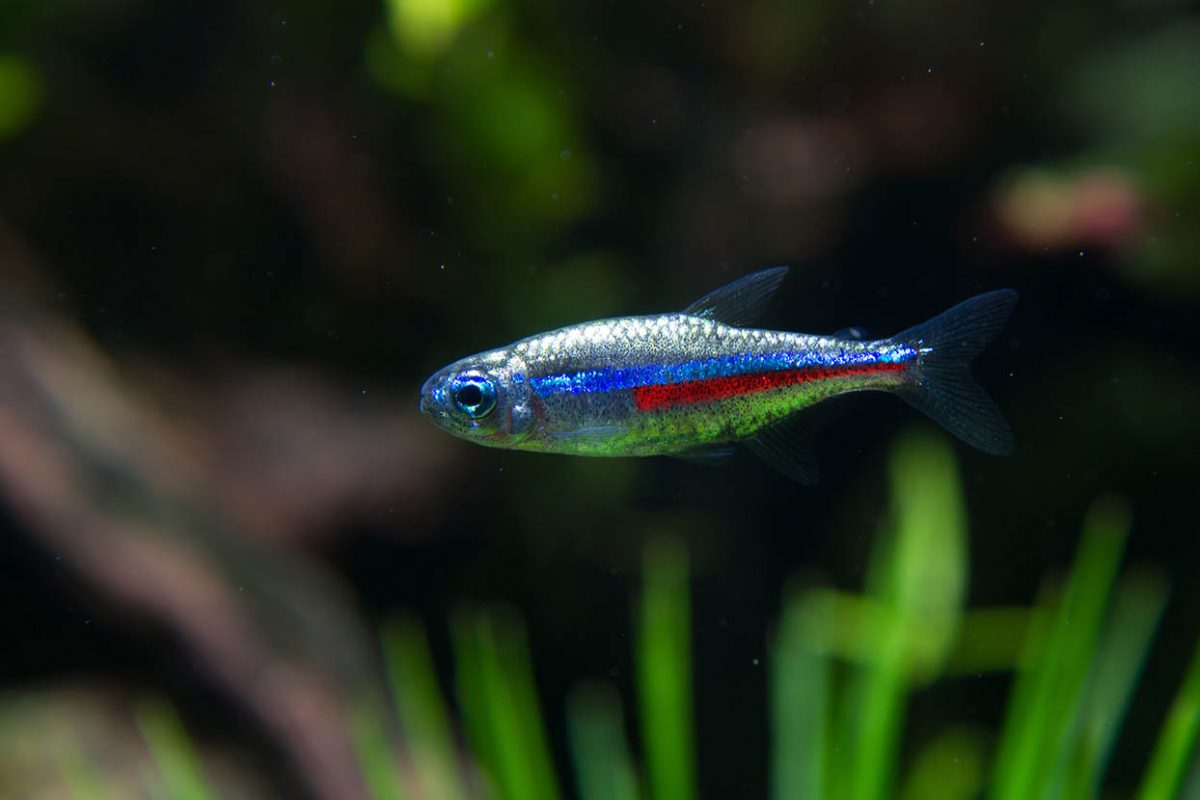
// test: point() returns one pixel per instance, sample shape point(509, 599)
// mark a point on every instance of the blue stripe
point(610, 379)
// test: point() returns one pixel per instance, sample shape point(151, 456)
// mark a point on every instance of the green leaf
point(373, 748)
point(499, 697)
point(800, 684)
point(603, 766)
point(664, 674)
point(1175, 752)
point(172, 752)
point(1049, 689)
point(422, 713)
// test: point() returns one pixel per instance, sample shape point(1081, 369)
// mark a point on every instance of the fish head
point(485, 398)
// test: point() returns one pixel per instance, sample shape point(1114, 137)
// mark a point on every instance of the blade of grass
point(1047, 695)
point(928, 572)
point(373, 749)
point(1137, 606)
point(517, 671)
point(918, 572)
point(420, 708)
point(499, 698)
point(84, 781)
point(800, 679)
point(603, 768)
point(1175, 752)
point(472, 699)
point(664, 674)
point(877, 694)
point(171, 751)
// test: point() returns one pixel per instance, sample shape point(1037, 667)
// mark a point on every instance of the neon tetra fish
point(696, 382)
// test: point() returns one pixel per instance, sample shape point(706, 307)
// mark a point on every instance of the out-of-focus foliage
point(1081, 658)
point(20, 95)
point(235, 237)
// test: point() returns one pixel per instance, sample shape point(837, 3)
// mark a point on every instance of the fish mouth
point(433, 401)
point(426, 404)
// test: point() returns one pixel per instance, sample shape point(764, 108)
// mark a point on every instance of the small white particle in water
point(982, 42)
point(565, 154)
point(929, 71)
point(1082, 253)
point(490, 52)
point(754, 661)
point(441, 266)
point(271, 83)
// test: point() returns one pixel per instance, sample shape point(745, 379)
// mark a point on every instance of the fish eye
point(473, 394)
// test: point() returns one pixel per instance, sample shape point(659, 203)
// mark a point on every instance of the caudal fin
point(943, 387)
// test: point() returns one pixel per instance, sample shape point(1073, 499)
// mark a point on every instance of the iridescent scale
point(673, 382)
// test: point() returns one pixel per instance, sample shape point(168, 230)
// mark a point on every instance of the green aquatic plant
point(842, 668)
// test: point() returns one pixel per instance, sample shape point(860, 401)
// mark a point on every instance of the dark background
point(235, 238)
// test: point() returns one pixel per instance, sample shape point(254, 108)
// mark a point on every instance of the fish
point(697, 383)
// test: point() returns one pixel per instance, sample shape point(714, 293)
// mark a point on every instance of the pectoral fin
point(596, 434)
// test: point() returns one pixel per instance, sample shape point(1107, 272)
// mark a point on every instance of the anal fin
point(787, 446)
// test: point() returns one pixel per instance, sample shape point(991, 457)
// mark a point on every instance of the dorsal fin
point(741, 302)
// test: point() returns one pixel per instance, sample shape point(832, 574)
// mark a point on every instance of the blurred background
point(235, 238)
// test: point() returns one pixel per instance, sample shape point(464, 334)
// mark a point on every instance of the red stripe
point(652, 398)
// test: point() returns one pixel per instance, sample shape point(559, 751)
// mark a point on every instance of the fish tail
point(942, 386)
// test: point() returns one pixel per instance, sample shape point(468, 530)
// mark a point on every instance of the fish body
point(696, 382)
